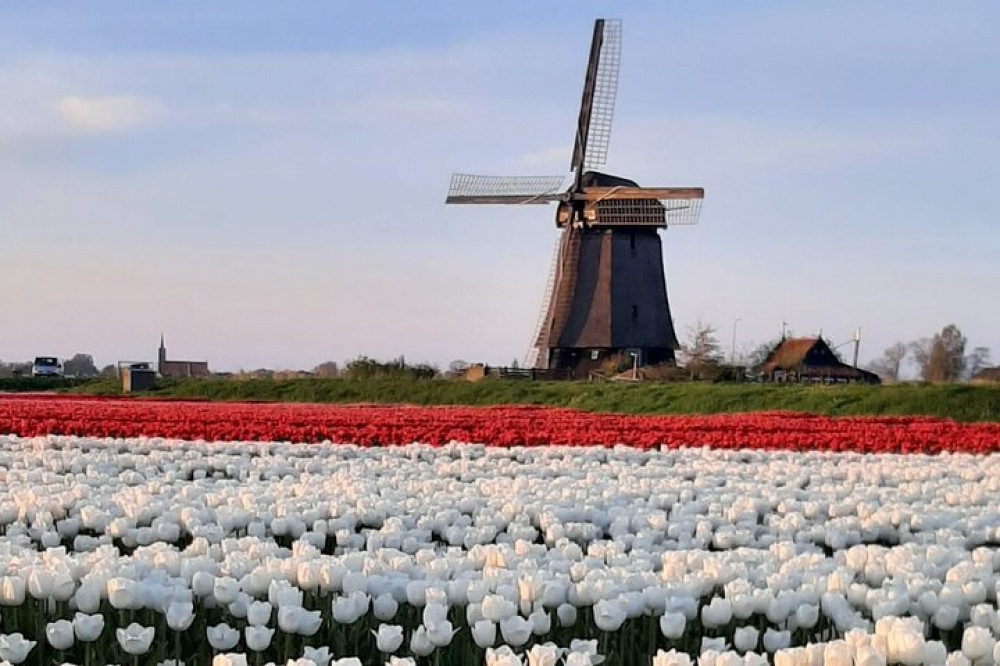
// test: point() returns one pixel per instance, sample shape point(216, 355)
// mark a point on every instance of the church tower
point(162, 357)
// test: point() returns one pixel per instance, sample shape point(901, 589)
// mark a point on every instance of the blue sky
point(264, 181)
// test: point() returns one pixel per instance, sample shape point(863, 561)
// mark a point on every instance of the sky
point(264, 182)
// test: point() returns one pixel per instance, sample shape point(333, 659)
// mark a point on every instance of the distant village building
point(168, 368)
point(810, 360)
point(987, 376)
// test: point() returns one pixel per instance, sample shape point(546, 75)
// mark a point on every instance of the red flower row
point(498, 426)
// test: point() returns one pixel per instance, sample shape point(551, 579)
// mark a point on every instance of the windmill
point(606, 294)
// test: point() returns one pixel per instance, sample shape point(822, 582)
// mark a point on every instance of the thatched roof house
point(810, 360)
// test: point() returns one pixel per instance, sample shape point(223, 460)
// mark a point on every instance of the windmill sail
point(600, 89)
point(641, 206)
point(473, 189)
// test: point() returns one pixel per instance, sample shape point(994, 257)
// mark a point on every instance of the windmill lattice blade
point(647, 212)
point(471, 188)
point(619, 192)
point(605, 93)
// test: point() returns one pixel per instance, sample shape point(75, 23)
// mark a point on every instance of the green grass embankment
point(33, 384)
point(955, 401)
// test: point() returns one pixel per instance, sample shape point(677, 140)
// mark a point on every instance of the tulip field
point(135, 531)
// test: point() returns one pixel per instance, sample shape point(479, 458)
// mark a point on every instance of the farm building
point(168, 368)
point(987, 376)
point(810, 360)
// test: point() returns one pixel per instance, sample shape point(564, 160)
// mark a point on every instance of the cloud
point(101, 115)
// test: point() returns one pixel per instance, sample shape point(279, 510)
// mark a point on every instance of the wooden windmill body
point(607, 292)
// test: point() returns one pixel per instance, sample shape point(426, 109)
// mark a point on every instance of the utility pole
point(857, 345)
point(732, 347)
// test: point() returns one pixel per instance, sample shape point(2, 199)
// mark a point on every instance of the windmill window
point(635, 312)
point(595, 354)
point(631, 243)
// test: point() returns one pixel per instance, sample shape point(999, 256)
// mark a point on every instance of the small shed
point(810, 360)
point(136, 379)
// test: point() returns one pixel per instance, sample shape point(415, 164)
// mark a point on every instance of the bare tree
point(81, 365)
point(701, 350)
point(326, 369)
point(889, 364)
point(941, 358)
point(978, 360)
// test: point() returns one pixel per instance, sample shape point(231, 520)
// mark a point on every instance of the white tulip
point(40, 583)
point(503, 656)
point(776, 640)
point(566, 614)
point(124, 594)
point(229, 659)
point(484, 633)
point(541, 622)
point(225, 589)
point(717, 613)
point(136, 639)
point(420, 644)
point(15, 648)
point(60, 634)
point(671, 658)
point(258, 638)
point(222, 637)
point(88, 597)
point(388, 638)
point(63, 585)
point(546, 654)
point(515, 630)
point(807, 615)
point(496, 608)
point(88, 628)
point(745, 639)
point(585, 647)
point(384, 607)
point(319, 656)
point(440, 632)
point(609, 615)
point(672, 625)
point(180, 615)
point(259, 613)
point(12, 589)
point(977, 643)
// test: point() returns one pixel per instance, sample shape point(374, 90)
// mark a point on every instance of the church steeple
point(162, 357)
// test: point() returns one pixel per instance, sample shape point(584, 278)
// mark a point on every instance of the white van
point(46, 366)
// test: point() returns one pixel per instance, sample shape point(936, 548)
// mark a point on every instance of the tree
point(941, 358)
point(701, 350)
point(81, 365)
point(109, 371)
point(326, 369)
point(978, 360)
point(888, 365)
point(755, 355)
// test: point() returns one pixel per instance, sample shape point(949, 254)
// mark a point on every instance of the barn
point(810, 360)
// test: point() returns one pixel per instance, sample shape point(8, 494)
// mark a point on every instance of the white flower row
point(420, 552)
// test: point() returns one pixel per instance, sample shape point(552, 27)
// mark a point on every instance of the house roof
point(988, 375)
point(790, 354)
